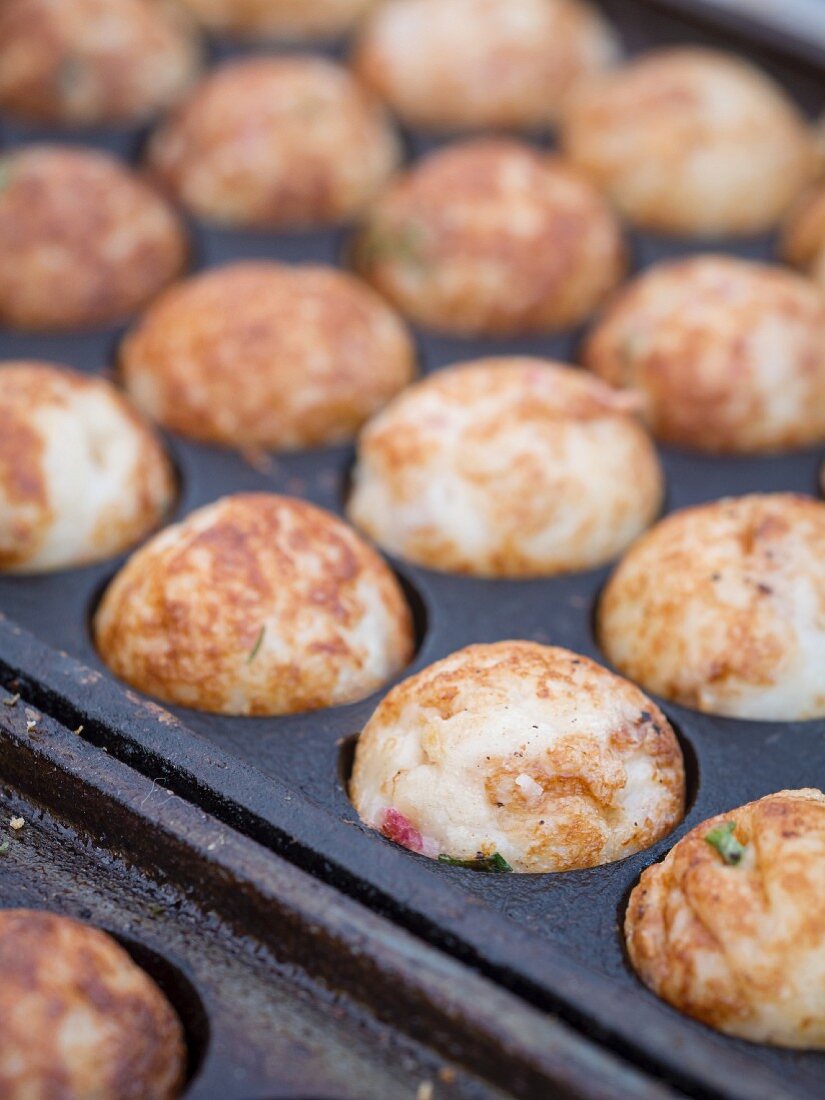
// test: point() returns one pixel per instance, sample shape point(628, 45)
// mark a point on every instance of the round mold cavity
point(181, 994)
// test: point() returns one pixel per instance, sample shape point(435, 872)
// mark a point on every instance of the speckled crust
point(82, 477)
point(508, 468)
point(283, 19)
point(728, 355)
point(492, 237)
point(524, 750)
point(803, 234)
point(80, 1019)
point(691, 141)
point(265, 355)
point(463, 64)
point(741, 947)
point(83, 241)
point(93, 62)
point(722, 608)
point(257, 604)
point(274, 142)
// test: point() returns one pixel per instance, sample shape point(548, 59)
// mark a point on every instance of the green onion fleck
point(405, 244)
point(722, 839)
point(495, 864)
point(253, 653)
point(4, 846)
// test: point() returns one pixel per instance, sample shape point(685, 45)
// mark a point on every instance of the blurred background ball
point(82, 477)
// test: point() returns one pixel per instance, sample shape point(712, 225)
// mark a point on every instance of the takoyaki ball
point(727, 355)
point(81, 476)
point(691, 142)
point(491, 237)
point(266, 355)
point(803, 237)
point(280, 19)
point(730, 927)
point(257, 604)
point(93, 62)
point(506, 468)
point(83, 240)
point(277, 143)
point(722, 608)
point(521, 755)
point(80, 1018)
point(464, 64)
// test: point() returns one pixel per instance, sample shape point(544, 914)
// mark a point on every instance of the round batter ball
point(265, 355)
point(803, 237)
point(506, 468)
point(519, 752)
point(93, 62)
point(257, 604)
point(80, 1018)
point(491, 237)
point(83, 241)
point(691, 142)
point(276, 142)
point(81, 476)
point(722, 608)
point(727, 355)
point(464, 64)
point(284, 19)
point(730, 927)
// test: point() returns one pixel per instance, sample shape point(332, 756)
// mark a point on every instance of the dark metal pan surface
point(554, 939)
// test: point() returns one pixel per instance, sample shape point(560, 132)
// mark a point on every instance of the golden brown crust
point(741, 947)
point(481, 752)
point(803, 234)
point(276, 142)
point(83, 241)
point(506, 467)
point(491, 237)
point(728, 355)
point(82, 476)
point(93, 62)
point(468, 64)
point(257, 604)
point(261, 354)
point(722, 608)
point(79, 1017)
point(284, 19)
point(691, 141)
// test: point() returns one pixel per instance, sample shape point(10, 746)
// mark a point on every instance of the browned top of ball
point(491, 235)
point(83, 241)
point(264, 354)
